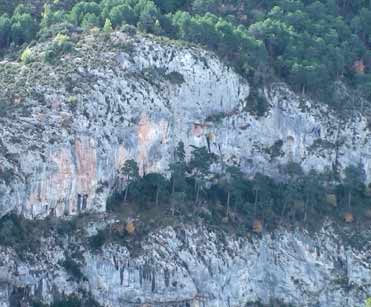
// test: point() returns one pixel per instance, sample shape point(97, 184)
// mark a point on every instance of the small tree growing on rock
point(130, 170)
point(178, 169)
point(354, 182)
point(107, 28)
point(156, 185)
point(199, 165)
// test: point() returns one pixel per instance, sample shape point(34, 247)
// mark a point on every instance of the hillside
point(309, 44)
point(184, 153)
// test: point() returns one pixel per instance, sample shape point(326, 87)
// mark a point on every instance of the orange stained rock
point(86, 165)
point(148, 134)
point(121, 157)
point(144, 137)
point(53, 187)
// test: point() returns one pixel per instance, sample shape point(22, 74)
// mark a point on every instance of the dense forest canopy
point(309, 44)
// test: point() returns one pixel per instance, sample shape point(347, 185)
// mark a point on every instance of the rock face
point(191, 266)
point(69, 127)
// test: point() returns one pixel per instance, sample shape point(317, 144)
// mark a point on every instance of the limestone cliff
point(194, 266)
point(67, 128)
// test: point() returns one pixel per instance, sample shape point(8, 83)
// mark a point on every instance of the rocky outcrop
point(193, 266)
point(70, 126)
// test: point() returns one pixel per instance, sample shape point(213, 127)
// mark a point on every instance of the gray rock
point(104, 107)
point(193, 265)
point(74, 125)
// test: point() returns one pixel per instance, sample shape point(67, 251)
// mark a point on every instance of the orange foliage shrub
point(348, 217)
point(130, 228)
point(257, 226)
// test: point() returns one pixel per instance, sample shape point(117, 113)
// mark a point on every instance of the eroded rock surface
point(71, 126)
point(193, 266)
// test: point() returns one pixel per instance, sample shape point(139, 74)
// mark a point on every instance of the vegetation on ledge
point(224, 200)
point(229, 197)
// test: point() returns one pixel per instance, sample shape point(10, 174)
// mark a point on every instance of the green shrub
point(114, 201)
point(84, 10)
point(5, 26)
point(38, 304)
point(60, 45)
point(122, 14)
point(107, 26)
point(129, 29)
point(66, 227)
point(73, 268)
point(20, 234)
point(50, 17)
point(26, 56)
point(72, 100)
point(97, 241)
point(90, 21)
point(175, 78)
point(24, 28)
point(72, 301)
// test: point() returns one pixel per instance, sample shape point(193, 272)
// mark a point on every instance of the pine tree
point(131, 171)
point(199, 165)
point(107, 28)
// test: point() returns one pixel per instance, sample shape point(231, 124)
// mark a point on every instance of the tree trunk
point(349, 200)
point(283, 212)
point(173, 186)
point(221, 159)
point(306, 207)
point(228, 202)
point(157, 195)
point(172, 203)
point(305, 212)
point(195, 188)
point(126, 193)
point(256, 202)
point(337, 146)
point(197, 192)
point(127, 189)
